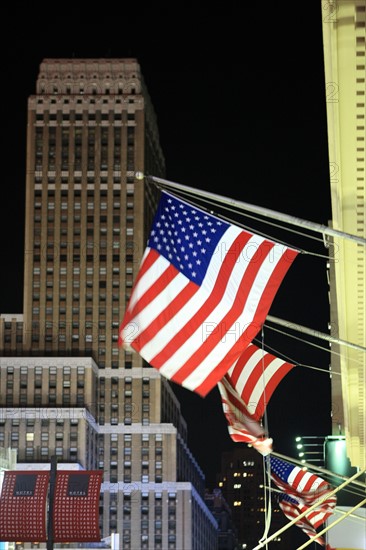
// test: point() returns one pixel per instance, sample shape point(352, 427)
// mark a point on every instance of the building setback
point(66, 387)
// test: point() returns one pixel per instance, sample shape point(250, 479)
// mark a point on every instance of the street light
point(310, 452)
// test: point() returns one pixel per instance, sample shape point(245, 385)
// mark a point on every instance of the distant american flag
point(302, 490)
point(202, 293)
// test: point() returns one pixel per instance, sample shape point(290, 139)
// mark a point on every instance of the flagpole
point(319, 228)
point(303, 514)
point(312, 539)
point(312, 332)
point(53, 470)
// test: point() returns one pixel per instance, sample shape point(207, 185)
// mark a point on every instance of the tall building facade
point(67, 389)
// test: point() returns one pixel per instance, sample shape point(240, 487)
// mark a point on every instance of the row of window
point(76, 296)
point(77, 179)
point(75, 270)
point(49, 310)
point(90, 194)
point(75, 324)
point(77, 166)
point(77, 205)
point(90, 219)
point(75, 283)
point(79, 101)
point(30, 437)
point(85, 116)
point(52, 370)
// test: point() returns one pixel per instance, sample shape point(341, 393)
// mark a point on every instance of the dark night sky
point(240, 101)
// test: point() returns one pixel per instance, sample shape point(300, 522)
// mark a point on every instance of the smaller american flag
point(255, 376)
point(301, 490)
point(242, 426)
point(245, 391)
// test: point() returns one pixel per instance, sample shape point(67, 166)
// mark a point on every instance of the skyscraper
point(66, 387)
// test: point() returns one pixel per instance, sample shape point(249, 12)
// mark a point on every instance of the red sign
point(76, 506)
point(23, 506)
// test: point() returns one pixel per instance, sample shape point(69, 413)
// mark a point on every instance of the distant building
point(227, 532)
point(66, 387)
point(241, 481)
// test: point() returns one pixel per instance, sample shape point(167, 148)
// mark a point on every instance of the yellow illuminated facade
point(343, 23)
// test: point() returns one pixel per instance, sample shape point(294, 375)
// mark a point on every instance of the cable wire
point(255, 230)
point(329, 350)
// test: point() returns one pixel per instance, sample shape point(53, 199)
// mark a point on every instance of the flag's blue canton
point(186, 236)
point(288, 498)
point(281, 468)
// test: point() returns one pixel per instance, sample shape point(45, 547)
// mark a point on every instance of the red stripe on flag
point(256, 375)
point(241, 362)
point(165, 316)
point(249, 374)
point(269, 389)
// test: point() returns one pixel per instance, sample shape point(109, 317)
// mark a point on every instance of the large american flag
point(301, 490)
point(202, 293)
